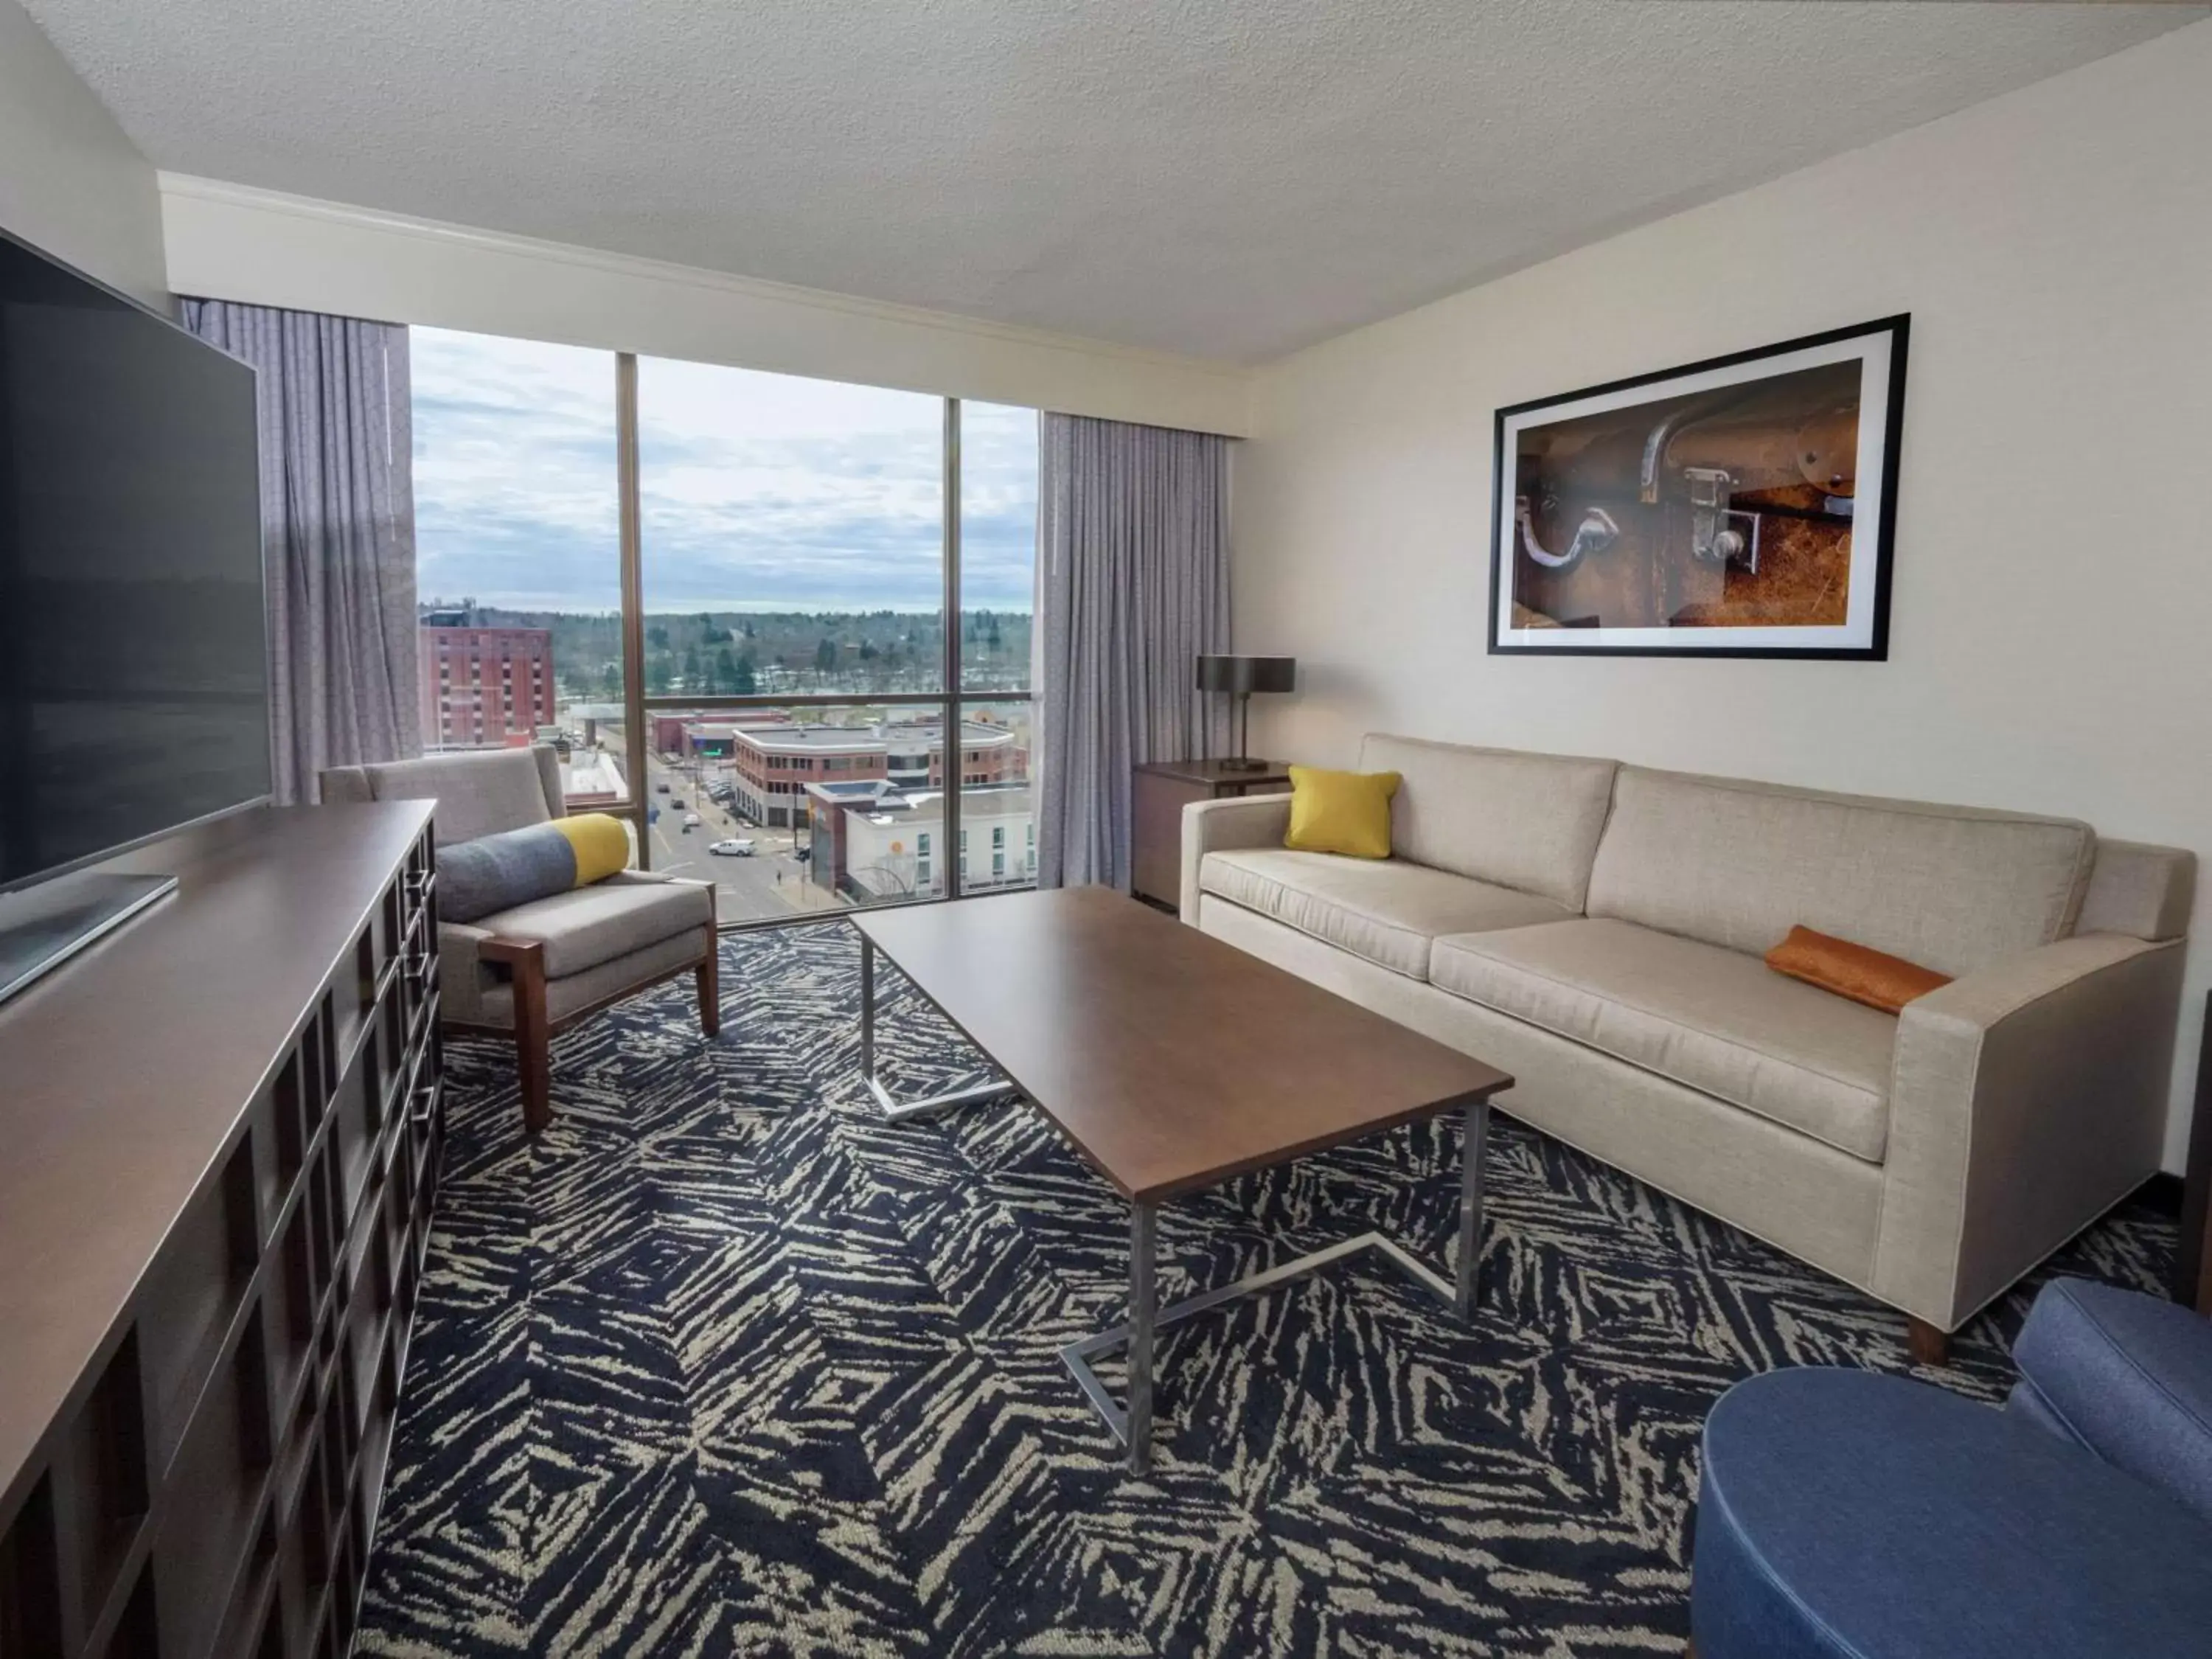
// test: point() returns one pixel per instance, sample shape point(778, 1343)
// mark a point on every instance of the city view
point(791, 545)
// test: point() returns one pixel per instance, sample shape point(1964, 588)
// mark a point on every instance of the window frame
point(639, 706)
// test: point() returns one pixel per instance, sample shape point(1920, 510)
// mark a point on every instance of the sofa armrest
point(1217, 826)
point(2025, 1098)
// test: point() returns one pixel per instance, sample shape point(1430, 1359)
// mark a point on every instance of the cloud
point(755, 490)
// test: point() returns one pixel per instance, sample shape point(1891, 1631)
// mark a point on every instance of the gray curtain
point(1132, 584)
point(337, 524)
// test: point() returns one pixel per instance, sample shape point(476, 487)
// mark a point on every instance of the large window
point(518, 551)
point(998, 587)
point(797, 714)
point(998, 544)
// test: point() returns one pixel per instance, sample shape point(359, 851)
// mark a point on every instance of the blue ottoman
point(1846, 1515)
point(2126, 1376)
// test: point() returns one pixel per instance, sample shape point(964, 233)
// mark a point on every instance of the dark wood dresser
point(220, 1131)
point(1158, 792)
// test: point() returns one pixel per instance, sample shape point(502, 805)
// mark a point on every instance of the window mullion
point(956, 873)
point(633, 602)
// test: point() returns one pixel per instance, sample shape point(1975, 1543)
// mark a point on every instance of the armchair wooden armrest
point(536, 1023)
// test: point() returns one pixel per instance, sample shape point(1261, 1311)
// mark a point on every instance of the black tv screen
point(134, 694)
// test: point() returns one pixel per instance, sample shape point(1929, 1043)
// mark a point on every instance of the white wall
point(70, 181)
point(228, 242)
point(2052, 603)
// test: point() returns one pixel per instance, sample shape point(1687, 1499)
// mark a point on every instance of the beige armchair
point(539, 968)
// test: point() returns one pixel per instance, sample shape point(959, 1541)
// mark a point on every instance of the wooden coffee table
point(1172, 1062)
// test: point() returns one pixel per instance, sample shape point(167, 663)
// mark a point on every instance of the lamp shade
point(1240, 675)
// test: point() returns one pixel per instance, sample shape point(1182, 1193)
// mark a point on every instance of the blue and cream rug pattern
point(724, 1364)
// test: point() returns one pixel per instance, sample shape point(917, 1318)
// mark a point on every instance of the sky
point(757, 491)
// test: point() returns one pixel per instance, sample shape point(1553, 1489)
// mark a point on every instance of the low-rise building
point(773, 759)
point(873, 840)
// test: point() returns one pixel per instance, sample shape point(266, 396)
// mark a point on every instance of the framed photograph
point(1739, 507)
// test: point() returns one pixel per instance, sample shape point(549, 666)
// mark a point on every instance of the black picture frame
point(1894, 332)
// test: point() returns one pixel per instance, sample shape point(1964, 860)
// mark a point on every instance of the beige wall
point(2052, 608)
point(228, 242)
point(70, 181)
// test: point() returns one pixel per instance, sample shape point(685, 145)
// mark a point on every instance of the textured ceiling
point(1229, 179)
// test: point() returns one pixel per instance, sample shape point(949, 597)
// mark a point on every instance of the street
point(770, 884)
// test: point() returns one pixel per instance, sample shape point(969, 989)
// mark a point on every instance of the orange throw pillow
point(1851, 970)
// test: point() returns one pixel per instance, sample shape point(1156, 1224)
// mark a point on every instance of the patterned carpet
point(724, 1364)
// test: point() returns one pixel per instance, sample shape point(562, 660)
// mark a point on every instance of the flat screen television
point(134, 695)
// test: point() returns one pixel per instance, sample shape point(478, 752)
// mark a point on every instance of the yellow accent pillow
point(599, 842)
point(1346, 813)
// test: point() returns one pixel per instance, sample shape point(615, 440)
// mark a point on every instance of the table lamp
point(1241, 677)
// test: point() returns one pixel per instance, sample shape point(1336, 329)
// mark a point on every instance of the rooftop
point(794, 738)
point(590, 775)
point(885, 804)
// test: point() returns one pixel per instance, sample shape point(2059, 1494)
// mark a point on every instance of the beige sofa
point(1596, 930)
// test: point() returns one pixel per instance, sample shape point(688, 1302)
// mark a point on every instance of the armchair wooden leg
point(710, 996)
point(533, 1059)
point(1930, 1345)
point(710, 976)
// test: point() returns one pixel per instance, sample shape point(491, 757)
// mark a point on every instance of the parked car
point(738, 849)
point(802, 853)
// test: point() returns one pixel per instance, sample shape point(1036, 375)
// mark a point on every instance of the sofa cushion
point(1387, 912)
point(1712, 1019)
point(593, 925)
point(1740, 864)
point(1525, 821)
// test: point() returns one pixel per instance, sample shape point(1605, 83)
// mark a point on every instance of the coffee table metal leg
point(1144, 1226)
point(868, 1009)
point(1473, 1149)
point(1132, 1425)
point(892, 1108)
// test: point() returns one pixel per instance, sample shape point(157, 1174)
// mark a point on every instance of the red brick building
point(484, 687)
point(774, 758)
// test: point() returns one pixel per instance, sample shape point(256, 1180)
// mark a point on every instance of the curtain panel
point(337, 525)
point(1132, 585)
